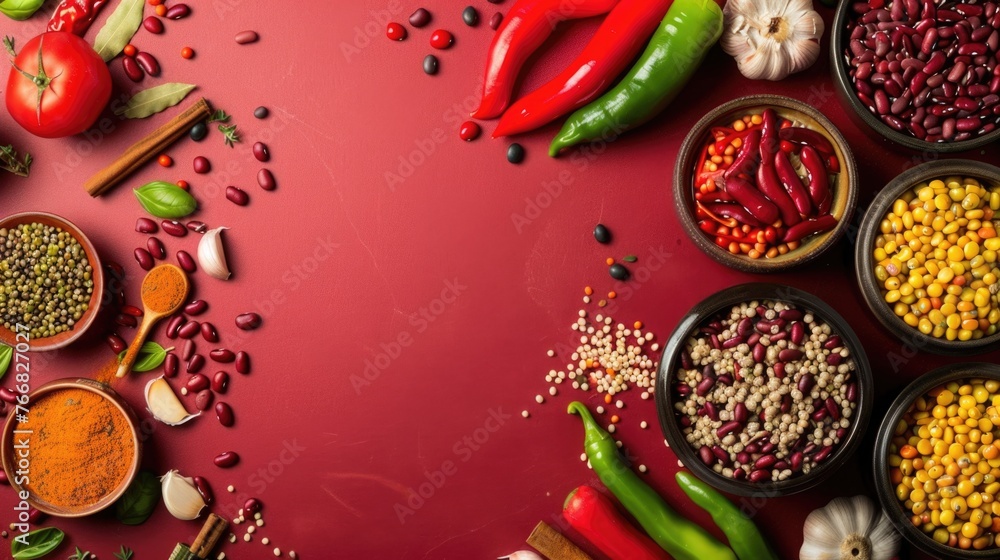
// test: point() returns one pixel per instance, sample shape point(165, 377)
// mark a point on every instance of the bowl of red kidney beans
point(924, 74)
point(763, 389)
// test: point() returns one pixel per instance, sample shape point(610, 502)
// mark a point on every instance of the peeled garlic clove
point(522, 555)
point(181, 496)
point(164, 405)
point(211, 254)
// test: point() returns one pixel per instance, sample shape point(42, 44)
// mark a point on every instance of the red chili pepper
point(618, 40)
point(75, 16)
point(792, 183)
point(748, 157)
point(734, 213)
point(528, 24)
point(767, 177)
point(595, 517)
point(752, 199)
point(809, 227)
point(720, 145)
point(819, 181)
point(832, 164)
point(807, 137)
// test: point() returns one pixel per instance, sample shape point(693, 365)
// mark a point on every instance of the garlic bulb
point(163, 403)
point(771, 39)
point(211, 255)
point(181, 496)
point(848, 529)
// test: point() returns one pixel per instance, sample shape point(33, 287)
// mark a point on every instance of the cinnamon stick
point(554, 545)
point(147, 148)
point(209, 536)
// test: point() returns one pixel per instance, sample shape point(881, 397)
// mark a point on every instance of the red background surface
point(343, 265)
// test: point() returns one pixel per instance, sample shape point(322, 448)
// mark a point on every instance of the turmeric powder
point(81, 448)
point(164, 289)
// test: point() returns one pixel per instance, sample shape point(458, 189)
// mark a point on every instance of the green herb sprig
point(124, 554)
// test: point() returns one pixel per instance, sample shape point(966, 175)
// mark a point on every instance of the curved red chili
point(819, 181)
point(807, 137)
point(792, 183)
point(747, 159)
point(752, 199)
point(767, 182)
point(528, 24)
point(809, 227)
point(615, 44)
point(734, 211)
point(769, 139)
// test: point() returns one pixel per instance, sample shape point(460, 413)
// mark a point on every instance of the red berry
point(395, 31)
point(469, 131)
point(441, 39)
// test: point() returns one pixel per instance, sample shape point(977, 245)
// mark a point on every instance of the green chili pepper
point(742, 533)
point(682, 40)
point(681, 538)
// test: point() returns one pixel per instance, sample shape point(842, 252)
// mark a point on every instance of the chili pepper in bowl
point(528, 24)
point(594, 516)
point(615, 44)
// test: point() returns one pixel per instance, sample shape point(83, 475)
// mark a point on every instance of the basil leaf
point(165, 200)
point(151, 355)
point(139, 500)
point(20, 9)
point(39, 543)
point(630, 258)
point(6, 353)
point(119, 29)
point(153, 100)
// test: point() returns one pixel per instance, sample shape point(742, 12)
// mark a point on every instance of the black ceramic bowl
point(670, 363)
point(864, 260)
point(845, 189)
point(839, 40)
point(884, 487)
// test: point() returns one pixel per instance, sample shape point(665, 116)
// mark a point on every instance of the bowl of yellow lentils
point(937, 465)
point(927, 256)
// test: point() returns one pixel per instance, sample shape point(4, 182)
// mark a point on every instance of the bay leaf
point(155, 99)
point(119, 29)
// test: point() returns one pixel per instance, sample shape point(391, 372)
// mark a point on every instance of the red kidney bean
point(252, 506)
point(144, 259)
point(220, 382)
point(242, 362)
point(196, 307)
point(714, 341)
point(153, 25)
point(822, 454)
point(186, 261)
point(8, 396)
point(705, 386)
point(743, 458)
point(805, 383)
point(765, 462)
point(246, 37)
point(744, 327)
point(237, 196)
point(759, 353)
point(711, 411)
point(226, 459)
point(132, 310)
point(740, 413)
point(124, 320)
point(249, 321)
point(834, 359)
point(831, 407)
point(779, 370)
point(203, 400)
point(188, 349)
point(796, 461)
point(197, 227)
point(171, 365)
point(759, 476)
point(204, 489)
point(819, 415)
point(261, 152)
point(177, 11)
point(156, 248)
point(790, 355)
point(967, 124)
point(833, 342)
point(145, 225)
point(148, 63)
point(266, 180)
point(116, 343)
point(174, 325)
point(753, 448)
point(727, 428)
point(852, 392)
point(209, 333)
point(197, 382)
point(706, 455)
point(685, 358)
point(201, 165)
point(222, 355)
point(724, 379)
point(224, 413)
point(189, 330)
point(173, 227)
point(195, 364)
point(132, 69)
point(779, 336)
point(798, 332)
point(720, 454)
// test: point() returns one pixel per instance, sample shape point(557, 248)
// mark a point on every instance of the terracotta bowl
point(844, 189)
point(64, 338)
point(8, 438)
point(864, 260)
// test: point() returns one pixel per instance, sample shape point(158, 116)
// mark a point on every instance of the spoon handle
point(133, 350)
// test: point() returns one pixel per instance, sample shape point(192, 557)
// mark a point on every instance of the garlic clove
point(164, 405)
point(771, 39)
point(181, 496)
point(848, 528)
point(522, 555)
point(212, 255)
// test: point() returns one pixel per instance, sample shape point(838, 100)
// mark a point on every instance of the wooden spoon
point(164, 290)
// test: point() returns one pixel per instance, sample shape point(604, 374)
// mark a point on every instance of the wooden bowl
point(670, 362)
point(7, 441)
point(64, 338)
point(844, 189)
point(886, 490)
point(864, 260)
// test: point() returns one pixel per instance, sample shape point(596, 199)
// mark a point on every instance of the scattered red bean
point(195, 364)
point(420, 18)
point(145, 225)
point(156, 248)
point(116, 343)
point(201, 165)
point(496, 20)
point(188, 349)
point(186, 261)
point(174, 325)
point(224, 413)
point(189, 329)
point(132, 310)
point(204, 489)
point(242, 362)
point(132, 69)
point(441, 39)
point(124, 320)
point(144, 259)
point(237, 196)
point(173, 227)
point(209, 333)
point(148, 63)
point(266, 180)
point(171, 365)
point(261, 152)
point(203, 399)
point(197, 227)
point(196, 307)
point(469, 131)
point(220, 382)
point(153, 25)
point(251, 506)
point(226, 459)
point(36, 516)
point(395, 31)
point(248, 321)
point(222, 355)
point(246, 37)
point(8, 396)
point(177, 11)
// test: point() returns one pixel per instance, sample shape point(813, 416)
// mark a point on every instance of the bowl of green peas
point(927, 253)
point(51, 282)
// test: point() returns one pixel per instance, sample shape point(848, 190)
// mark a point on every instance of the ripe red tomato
point(59, 85)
